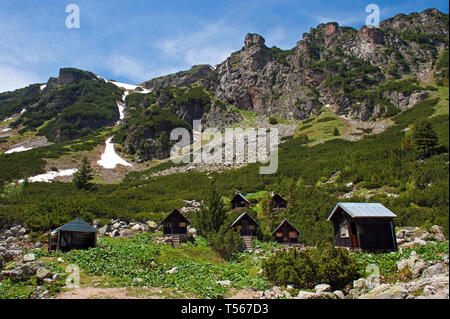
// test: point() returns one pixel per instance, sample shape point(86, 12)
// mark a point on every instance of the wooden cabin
point(247, 226)
point(75, 235)
point(286, 233)
point(175, 226)
point(239, 201)
point(364, 226)
point(278, 202)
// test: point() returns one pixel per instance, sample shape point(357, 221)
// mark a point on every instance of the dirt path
point(118, 293)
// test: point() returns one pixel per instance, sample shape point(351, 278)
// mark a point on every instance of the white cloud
point(212, 44)
point(128, 67)
point(13, 78)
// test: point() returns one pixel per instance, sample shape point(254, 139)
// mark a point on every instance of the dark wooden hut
point(286, 233)
point(278, 202)
point(175, 226)
point(364, 226)
point(247, 226)
point(75, 235)
point(239, 201)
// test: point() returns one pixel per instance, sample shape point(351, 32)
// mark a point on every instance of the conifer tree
point(212, 214)
point(83, 178)
point(424, 138)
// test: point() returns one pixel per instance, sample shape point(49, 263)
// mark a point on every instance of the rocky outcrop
point(328, 64)
point(410, 237)
point(204, 73)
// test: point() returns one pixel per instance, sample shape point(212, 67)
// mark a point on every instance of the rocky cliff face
point(331, 65)
point(184, 78)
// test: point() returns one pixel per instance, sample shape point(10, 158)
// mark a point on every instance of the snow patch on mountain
point(110, 159)
point(50, 176)
point(18, 150)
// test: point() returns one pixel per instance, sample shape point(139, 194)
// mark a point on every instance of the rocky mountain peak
point(68, 76)
point(254, 39)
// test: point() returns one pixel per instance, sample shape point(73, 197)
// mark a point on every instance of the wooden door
point(244, 230)
point(354, 230)
point(354, 241)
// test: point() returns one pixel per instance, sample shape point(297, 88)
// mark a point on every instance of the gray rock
point(322, 288)
point(43, 273)
point(116, 226)
point(12, 254)
point(104, 230)
point(287, 295)
point(434, 270)
point(277, 292)
point(17, 274)
point(125, 233)
point(11, 239)
point(32, 267)
point(137, 228)
point(339, 294)
point(307, 295)
point(152, 225)
point(29, 257)
point(386, 291)
point(327, 295)
point(414, 264)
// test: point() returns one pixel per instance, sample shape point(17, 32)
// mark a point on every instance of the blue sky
point(136, 40)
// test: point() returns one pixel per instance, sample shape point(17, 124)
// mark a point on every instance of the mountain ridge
point(363, 74)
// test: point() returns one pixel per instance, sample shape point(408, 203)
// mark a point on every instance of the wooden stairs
point(176, 240)
point(248, 242)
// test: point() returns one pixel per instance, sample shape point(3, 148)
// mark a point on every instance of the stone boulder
point(435, 270)
point(43, 273)
point(104, 230)
point(152, 225)
point(29, 258)
point(307, 295)
point(414, 264)
point(322, 288)
point(339, 294)
point(125, 233)
point(387, 291)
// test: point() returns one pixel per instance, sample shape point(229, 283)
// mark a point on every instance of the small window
point(292, 234)
point(182, 224)
point(251, 227)
point(343, 230)
point(168, 225)
point(279, 234)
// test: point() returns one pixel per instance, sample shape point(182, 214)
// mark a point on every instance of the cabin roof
point(241, 196)
point(176, 211)
point(278, 195)
point(241, 216)
point(364, 210)
point(281, 224)
point(77, 225)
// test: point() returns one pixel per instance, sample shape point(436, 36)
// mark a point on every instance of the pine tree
point(84, 176)
point(212, 214)
point(424, 138)
point(267, 213)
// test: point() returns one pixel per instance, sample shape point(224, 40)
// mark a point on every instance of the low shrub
point(226, 242)
point(305, 269)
